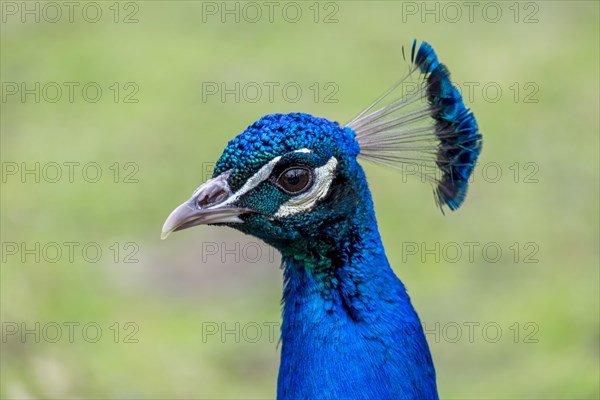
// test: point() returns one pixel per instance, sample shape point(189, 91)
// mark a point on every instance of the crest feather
point(422, 124)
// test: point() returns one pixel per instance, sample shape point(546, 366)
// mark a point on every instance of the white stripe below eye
point(305, 201)
point(260, 176)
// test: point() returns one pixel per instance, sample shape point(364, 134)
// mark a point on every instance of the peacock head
point(287, 179)
point(294, 180)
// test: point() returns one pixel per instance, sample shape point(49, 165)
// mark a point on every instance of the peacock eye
point(295, 180)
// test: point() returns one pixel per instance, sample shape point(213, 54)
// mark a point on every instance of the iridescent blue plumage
point(293, 180)
point(349, 329)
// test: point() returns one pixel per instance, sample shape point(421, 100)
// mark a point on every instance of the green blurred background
point(541, 132)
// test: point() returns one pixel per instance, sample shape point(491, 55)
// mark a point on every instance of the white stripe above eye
point(260, 176)
point(303, 151)
point(304, 202)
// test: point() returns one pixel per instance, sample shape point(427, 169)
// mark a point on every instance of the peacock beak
point(211, 203)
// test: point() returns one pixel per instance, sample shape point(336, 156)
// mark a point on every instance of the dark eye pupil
point(295, 180)
point(293, 177)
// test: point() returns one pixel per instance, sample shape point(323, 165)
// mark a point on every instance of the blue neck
point(349, 329)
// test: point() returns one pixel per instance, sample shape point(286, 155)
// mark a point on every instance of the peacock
point(293, 180)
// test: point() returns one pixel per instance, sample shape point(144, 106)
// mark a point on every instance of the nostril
point(213, 191)
point(203, 201)
point(212, 196)
point(220, 196)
